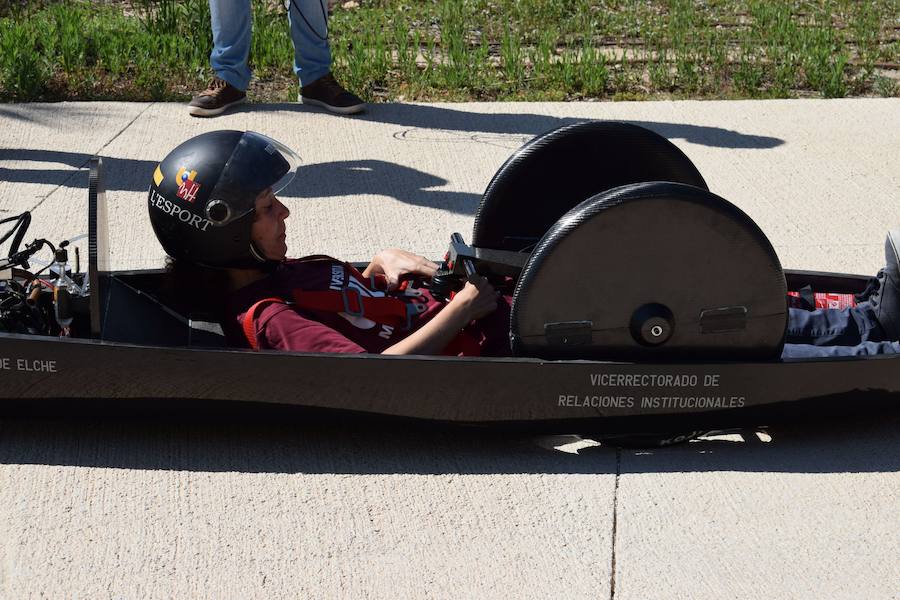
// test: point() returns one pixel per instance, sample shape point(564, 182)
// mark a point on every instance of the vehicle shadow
point(862, 444)
point(444, 118)
point(276, 445)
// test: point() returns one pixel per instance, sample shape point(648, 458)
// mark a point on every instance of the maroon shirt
point(286, 327)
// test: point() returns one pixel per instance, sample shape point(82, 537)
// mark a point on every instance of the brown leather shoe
point(330, 95)
point(216, 99)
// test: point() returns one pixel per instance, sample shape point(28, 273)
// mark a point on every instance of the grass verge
point(467, 50)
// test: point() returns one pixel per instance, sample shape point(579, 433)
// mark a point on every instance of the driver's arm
point(472, 302)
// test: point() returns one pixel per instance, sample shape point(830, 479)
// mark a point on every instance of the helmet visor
point(256, 164)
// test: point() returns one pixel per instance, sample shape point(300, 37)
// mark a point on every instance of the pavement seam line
point(615, 522)
point(97, 153)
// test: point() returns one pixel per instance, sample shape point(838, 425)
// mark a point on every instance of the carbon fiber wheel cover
point(560, 169)
point(651, 271)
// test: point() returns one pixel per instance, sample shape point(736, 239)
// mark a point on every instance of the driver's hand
point(478, 299)
point(396, 265)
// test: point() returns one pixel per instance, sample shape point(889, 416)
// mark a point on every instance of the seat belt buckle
point(347, 310)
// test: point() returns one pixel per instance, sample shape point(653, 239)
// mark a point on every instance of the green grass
point(468, 50)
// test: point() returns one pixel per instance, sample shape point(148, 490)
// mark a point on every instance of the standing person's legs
point(312, 59)
point(231, 28)
point(309, 32)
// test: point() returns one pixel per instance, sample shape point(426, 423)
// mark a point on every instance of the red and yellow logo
point(187, 187)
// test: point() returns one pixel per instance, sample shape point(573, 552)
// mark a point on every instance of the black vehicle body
point(139, 350)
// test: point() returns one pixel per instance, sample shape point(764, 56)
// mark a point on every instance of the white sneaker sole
point(197, 111)
point(341, 110)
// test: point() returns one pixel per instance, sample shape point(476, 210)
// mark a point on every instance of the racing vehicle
point(646, 310)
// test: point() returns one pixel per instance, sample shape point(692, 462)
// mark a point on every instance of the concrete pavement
point(115, 509)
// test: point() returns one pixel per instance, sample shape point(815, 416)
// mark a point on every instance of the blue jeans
point(231, 25)
point(848, 332)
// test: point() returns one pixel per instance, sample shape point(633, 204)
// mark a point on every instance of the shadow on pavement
point(429, 117)
point(383, 447)
point(356, 177)
point(334, 179)
point(416, 123)
point(15, 115)
point(121, 174)
point(857, 445)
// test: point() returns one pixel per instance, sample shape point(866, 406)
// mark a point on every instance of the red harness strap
point(249, 329)
point(386, 311)
point(349, 300)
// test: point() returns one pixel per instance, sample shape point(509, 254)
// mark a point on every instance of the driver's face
point(268, 231)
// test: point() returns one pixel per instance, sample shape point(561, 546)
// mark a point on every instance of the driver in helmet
point(214, 209)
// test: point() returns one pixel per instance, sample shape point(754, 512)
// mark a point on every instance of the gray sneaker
point(216, 99)
point(886, 301)
point(330, 95)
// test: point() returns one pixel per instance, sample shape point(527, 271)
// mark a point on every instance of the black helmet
point(203, 193)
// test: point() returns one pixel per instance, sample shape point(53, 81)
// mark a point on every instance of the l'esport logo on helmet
point(184, 215)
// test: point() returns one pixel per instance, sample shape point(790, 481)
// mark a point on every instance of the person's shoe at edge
point(886, 301)
point(330, 95)
point(218, 97)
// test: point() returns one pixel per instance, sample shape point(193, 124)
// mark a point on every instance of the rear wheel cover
point(560, 169)
point(651, 271)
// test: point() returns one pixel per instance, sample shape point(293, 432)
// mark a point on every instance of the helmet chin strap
point(255, 253)
point(266, 264)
